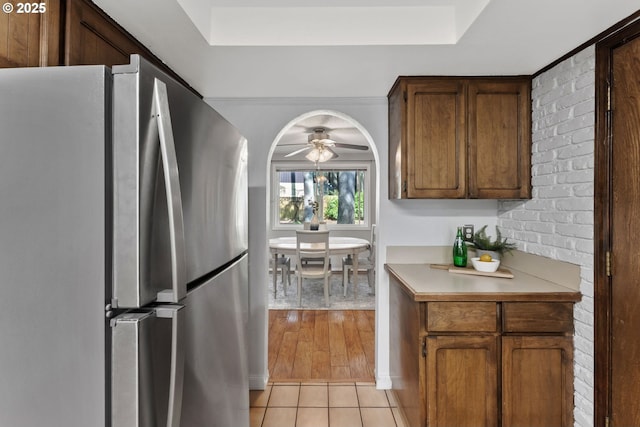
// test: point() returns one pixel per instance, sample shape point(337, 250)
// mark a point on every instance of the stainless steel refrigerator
point(123, 252)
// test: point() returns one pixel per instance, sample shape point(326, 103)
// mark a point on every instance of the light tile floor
point(323, 405)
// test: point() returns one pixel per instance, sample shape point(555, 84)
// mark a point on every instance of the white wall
point(400, 223)
point(558, 222)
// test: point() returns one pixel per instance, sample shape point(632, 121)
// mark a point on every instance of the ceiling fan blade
point(335, 155)
point(293, 153)
point(351, 146)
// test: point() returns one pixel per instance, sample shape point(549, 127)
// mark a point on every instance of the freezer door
point(149, 252)
point(211, 158)
point(148, 367)
point(216, 384)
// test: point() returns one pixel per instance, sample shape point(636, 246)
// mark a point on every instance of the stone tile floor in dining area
point(322, 404)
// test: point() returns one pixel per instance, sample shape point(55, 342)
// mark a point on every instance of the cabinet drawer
point(461, 317)
point(538, 317)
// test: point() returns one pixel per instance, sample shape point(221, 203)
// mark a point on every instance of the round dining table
point(338, 245)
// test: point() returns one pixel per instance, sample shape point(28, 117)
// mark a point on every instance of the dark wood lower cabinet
point(537, 381)
point(462, 386)
point(481, 364)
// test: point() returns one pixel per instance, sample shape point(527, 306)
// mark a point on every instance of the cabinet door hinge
point(608, 97)
point(607, 422)
point(404, 96)
point(607, 261)
point(424, 347)
point(404, 186)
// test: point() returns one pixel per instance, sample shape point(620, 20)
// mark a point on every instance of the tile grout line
point(328, 407)
point(359, 407)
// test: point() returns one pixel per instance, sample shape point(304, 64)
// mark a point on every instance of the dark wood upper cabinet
point(92, 39)
point(70, 32)
point(25, 37)
point(460, 137)
point(436, 139)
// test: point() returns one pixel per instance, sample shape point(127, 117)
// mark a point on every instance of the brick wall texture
point(558, 221)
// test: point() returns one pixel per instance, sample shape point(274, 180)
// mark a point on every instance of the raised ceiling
point(333, 23)
point(506, 37)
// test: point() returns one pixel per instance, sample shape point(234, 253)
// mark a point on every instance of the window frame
point(278, 166)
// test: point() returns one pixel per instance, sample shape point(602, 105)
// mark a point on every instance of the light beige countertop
point(424, 283)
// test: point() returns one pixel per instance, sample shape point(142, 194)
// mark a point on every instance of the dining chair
point(366, 263)
point(284, 265)
point(319, 241)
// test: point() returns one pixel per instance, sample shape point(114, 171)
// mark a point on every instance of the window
point(340, 195)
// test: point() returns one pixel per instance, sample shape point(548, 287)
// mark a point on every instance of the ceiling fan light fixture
point(326, 154)
point(313, 155)
point(320, 154)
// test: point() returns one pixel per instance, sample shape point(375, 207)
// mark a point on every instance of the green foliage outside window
point(331, 206)
point(295, 187)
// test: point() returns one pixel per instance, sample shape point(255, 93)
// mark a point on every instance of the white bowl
point(485, 266)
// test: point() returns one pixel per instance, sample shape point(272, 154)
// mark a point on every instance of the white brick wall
point(558, 222)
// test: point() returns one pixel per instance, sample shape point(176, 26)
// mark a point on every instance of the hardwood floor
point(321, 345)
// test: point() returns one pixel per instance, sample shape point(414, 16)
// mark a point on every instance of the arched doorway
point(288, 152)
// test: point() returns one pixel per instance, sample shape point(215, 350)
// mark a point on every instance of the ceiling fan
point(319, 146)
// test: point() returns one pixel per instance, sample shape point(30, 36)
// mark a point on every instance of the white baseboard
point(258, 382)
point(383, 382)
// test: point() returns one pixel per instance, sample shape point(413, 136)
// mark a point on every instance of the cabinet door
point(19, 39)
point(500, 139)
point(436, 139)
point(462, 381)
point(30, 39)
point(92, 39)
point(537, 381)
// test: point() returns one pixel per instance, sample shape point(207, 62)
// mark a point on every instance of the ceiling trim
point(342, 25)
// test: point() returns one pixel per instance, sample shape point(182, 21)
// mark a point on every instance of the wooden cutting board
point(500, 272)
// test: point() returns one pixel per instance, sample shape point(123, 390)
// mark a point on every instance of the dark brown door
point(617, 213)
point(625, 237)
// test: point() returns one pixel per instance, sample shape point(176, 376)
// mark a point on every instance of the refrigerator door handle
point(174, 197)
point(176, 380)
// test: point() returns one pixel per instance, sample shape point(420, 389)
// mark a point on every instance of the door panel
point(499, 129)
point(625, 238)
point(147, 367)
point(216, 384)
point(462, 381)
point(90, 39)
point(212, 164)
point(19, 39)
point(537, 381)
point(53, 259)
point(436, 146)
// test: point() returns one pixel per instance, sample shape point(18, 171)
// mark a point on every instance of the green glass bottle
point(459, 250)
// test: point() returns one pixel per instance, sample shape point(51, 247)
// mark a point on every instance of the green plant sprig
point(483, 242)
